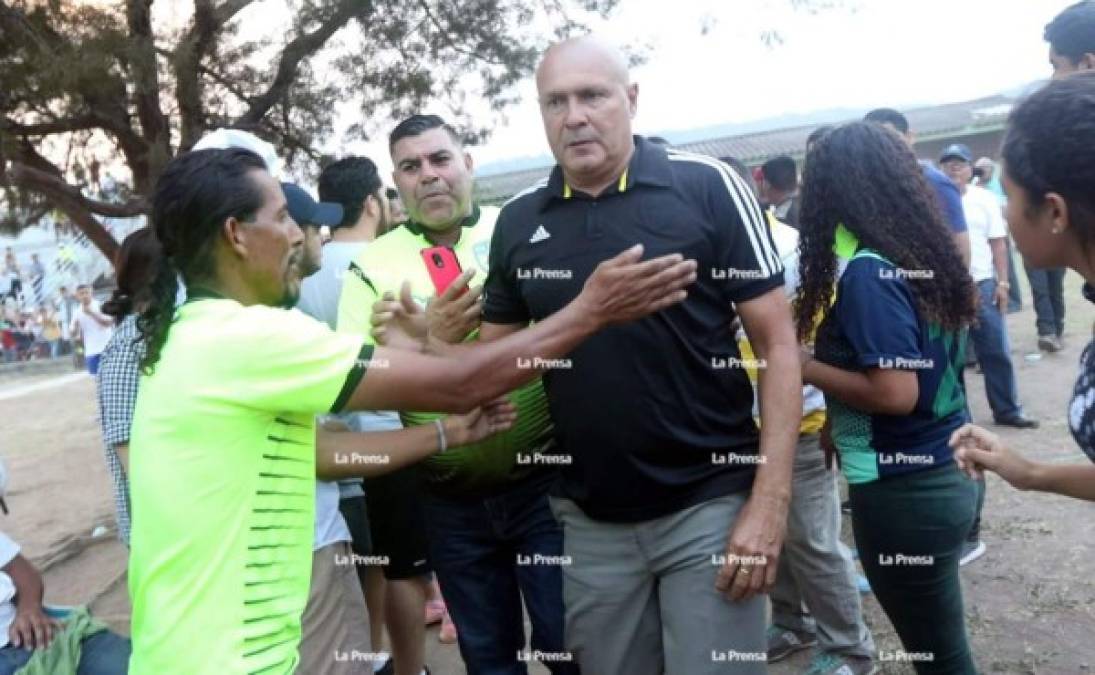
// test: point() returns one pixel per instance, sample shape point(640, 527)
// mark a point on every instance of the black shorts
point(357, 519)
point(398, 524)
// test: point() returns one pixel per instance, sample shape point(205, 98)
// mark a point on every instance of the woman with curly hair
point(1049, 175)
point(888, 355)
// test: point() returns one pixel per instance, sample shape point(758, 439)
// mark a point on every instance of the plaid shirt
point(119, 373)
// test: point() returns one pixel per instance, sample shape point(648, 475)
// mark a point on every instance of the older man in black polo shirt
point(673, 505)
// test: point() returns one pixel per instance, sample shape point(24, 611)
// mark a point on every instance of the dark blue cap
point(957, 151)
point(307, 211)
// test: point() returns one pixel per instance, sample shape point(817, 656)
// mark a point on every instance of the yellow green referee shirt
point(480, 468)
point(222, 479)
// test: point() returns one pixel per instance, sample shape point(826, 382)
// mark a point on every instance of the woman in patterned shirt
point(1049, 176)
point(119, 369)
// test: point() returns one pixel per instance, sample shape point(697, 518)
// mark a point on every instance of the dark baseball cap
point(307, 211)
point(957, 151)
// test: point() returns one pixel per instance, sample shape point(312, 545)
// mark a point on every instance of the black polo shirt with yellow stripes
point(655, 415)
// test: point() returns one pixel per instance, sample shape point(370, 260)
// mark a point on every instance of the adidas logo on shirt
point(539, 235)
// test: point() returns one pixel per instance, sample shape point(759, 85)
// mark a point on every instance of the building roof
point(984, 115)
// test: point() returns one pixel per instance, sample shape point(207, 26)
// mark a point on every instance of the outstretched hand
point(623, 288)
point(487, 420)
point(398, 323)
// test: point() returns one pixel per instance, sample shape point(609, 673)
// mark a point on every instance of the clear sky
point(707, 64)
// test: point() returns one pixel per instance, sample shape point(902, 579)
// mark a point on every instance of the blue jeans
point(1047, 287)
point(1015, 300)
point(480, 550)
point(989, 335)
point(104, 653)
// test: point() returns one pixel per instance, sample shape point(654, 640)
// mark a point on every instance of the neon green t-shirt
point(383, 266)
point(222, 480)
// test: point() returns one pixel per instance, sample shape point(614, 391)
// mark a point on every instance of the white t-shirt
point(319, 295)
point(8, 550)
point(94, 333)
point(985, 222)
point(320, 292)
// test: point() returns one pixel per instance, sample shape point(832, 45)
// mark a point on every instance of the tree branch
point(31, 178)
point(147, 87)
point(300, 48)
point(65, 197)
point(208, 21)
point(78, 123)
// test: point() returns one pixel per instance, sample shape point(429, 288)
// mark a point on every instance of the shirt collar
point(649, 165)
point(469, 221)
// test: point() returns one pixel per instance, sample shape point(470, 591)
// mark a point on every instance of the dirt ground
point(1030, 601)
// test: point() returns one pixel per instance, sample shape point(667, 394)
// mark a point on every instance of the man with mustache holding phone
point(491, 539)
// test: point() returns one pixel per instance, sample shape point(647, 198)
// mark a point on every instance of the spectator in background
point(94, 328)
point(66, 311)
point(354, 183)
point(947, 197)
point(986, 176)
point(51, 329)
point(814, 599)
point(37, 277)
point(395, 206)
point(988, 267)
point(1071, 38)
point(779, 189)
point(119, 370)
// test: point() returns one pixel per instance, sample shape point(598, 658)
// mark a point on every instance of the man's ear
point(235, 233)
point(468, 162)
point(370, 206)
point(633, 98)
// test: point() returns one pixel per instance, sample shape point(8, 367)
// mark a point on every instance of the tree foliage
point(85, 86)
point(90, 86)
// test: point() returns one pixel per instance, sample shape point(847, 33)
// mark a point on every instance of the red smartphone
point(443, 267)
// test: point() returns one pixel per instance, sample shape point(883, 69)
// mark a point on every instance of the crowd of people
point(330, 423)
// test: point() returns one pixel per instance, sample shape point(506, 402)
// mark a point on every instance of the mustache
point(580, 139)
